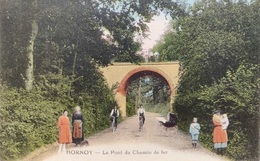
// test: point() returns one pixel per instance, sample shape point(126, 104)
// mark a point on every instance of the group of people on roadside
point(220, 138)
point(220, 122)
point(65, 134)
point(76, 135)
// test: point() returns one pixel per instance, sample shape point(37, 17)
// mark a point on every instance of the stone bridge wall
point(122, 73)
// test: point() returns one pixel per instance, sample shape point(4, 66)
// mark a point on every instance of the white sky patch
point(157, 29)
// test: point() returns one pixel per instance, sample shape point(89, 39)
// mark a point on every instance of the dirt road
point(129, 144)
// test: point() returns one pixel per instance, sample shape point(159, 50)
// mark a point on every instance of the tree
point(71, 30)
point(168, 47)
point(214, 38)
point(19, 30)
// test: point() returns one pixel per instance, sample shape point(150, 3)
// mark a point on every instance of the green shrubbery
point(28, 121)
point(237, 95)
point(29, 118)
point(161, 108)
point(131, 109)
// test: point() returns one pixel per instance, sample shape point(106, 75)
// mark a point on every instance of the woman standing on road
point(64, 131)
point(78, 126)
point(225, 123)
point(219, 137)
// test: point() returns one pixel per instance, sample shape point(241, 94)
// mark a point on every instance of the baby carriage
point(169, 124)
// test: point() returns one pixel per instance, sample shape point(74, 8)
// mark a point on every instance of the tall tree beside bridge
point(212, 41)
point(18, 32)
point(43, 35)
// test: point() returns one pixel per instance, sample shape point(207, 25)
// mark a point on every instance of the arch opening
point(134, 74)
point(146, 75)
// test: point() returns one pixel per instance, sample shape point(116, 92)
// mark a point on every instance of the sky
point(157, 29)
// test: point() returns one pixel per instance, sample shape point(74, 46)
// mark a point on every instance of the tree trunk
point(30, 53)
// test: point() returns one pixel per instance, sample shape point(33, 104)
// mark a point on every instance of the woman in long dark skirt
point(78, 126)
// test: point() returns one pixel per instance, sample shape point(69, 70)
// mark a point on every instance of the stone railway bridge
point(122, 74)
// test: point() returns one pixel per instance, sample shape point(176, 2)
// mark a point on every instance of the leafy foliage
point(28, 122)
point(236, 95)
point(168, 47)
point(26, 115)
point(16, 20)
point(74, 37)
point(151, 91)
point(217, 44)
point(131, 108)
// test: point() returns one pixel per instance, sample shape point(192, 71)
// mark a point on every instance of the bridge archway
point(124, 73)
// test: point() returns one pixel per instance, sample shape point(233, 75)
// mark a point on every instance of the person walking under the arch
point(78, 126)
point(219, 137)
point(194, 131)
point(64, 131)
point(114, 113)
point(141, 113)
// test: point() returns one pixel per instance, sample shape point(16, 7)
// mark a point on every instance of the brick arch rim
point(122, 85)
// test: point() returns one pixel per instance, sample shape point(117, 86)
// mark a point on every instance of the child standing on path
point(194, 131)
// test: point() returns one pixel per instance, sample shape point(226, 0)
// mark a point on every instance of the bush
point(27, 122)
point(130, 106)
point(237, 95)
point(29, 118)
point(161, 108)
